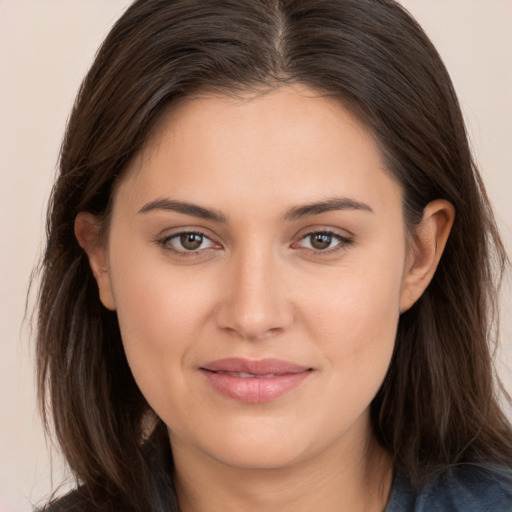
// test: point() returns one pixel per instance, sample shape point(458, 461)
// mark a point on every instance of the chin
point(251, 444)
point(259, 456)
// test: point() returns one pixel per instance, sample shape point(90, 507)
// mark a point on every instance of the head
point(364, 62)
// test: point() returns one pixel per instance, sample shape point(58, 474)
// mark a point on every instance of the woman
point(269, 277)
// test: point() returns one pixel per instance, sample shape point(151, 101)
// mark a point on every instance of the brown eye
point(323, 242)
point(187, 243)
point(320, 241)
point(191, 241)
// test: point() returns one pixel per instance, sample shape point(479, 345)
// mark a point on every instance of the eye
point(323, 241)
point(191, 241)
point(187, 242)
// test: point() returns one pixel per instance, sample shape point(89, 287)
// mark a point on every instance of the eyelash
point(166, 244)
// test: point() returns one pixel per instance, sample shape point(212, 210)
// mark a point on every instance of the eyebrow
point(296, 213)
point(185, 208)
point(335, 203)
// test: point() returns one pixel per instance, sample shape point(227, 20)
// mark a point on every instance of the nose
point(256, 304)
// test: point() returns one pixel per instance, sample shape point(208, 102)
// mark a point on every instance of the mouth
point(254, 382)
point(243, 375)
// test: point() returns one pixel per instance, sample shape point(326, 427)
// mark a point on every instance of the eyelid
point(324, 228)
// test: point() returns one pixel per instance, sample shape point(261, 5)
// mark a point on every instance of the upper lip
point(254, 367)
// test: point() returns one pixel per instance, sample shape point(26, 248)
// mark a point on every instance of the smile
point(254, 382)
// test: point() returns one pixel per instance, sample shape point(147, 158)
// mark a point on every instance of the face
point(256, 260)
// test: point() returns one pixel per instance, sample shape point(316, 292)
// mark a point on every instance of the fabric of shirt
point(464, 488)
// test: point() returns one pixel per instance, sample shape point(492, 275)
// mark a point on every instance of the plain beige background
point(46, 47)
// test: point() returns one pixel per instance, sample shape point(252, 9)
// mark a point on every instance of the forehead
point(288, 146)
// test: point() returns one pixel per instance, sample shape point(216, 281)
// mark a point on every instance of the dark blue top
point(465, 488)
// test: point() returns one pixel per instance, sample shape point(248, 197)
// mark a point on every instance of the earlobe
point(427, 246)
point(87, 232)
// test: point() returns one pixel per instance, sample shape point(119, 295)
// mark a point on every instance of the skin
point(257, 288)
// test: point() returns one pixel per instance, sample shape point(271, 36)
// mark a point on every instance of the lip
point(254, 381)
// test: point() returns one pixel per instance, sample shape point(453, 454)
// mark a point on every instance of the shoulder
point(80, 501)
point(463, 488)
point(159, 492)
point(75, 501)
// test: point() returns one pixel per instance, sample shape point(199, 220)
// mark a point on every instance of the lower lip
point(255, 390)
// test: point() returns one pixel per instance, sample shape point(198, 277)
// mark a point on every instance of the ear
point(427, 246)
point(87, 232)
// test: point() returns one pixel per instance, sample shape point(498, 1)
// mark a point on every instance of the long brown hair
point(438, 403)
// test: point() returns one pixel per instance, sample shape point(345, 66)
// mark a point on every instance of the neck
point(355, 480)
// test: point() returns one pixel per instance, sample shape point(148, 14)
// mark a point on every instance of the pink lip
point(271, 378)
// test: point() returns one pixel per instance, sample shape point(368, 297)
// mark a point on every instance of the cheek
point(162, 314)
point(361, 296)
point(149, 309)
point(355, 322)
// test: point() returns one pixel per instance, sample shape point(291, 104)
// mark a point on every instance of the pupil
point(191, 241)
point(321, 240)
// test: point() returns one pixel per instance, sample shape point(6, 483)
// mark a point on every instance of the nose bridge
point(256, 306)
